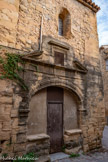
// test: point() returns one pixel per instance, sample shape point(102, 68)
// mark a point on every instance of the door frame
point(59, 102)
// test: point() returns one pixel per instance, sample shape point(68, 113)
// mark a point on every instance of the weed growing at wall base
point(74, 155)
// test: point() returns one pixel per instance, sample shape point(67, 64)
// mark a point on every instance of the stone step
point(58, 156)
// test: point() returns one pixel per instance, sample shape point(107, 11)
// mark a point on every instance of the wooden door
point(55, 118)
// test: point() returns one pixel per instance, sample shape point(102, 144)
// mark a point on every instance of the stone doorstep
point(73, 131)
point(58, 156)
point(37, 137)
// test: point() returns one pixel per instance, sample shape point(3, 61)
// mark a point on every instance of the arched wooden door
point(55, 118)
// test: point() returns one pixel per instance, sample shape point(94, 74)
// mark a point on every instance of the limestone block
point(14, 131)
point(8, 109)
point(4, 118)
point(21, 137)
point(86, 148)
point(73, 150)
point(15, 123)
point(14, 138)
point(37, 137)
point(1, 125)
point(73, 131)
point(4, 135)
point(29, 1)
point(39, 8)
point(19, 148)
point(5, 86)
point(71, 138)
point(9, 17)
point(14, 113)
point(7, 24)
point(2, 109)
point(16, 101)
point(91, 48)
point(5, 5)
point(22, 39)
point(6, 126)
point(6, 100)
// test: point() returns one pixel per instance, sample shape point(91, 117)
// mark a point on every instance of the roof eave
point(90, 4)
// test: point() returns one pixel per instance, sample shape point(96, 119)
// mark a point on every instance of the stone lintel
point(52, 42)
point(73, 131)
point(37, 137)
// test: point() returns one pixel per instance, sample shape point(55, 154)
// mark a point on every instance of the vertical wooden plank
point(55, 126)
point(55, 118)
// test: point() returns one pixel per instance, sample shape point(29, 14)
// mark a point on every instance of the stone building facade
point(104, 63)
point(64, 106)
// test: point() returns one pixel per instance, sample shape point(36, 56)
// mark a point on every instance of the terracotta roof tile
point(90, 5)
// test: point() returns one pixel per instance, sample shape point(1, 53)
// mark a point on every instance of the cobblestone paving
point(99, 156)
point(92, 157)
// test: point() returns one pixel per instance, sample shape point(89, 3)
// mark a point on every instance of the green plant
point(11, 67)
point(74, 155)
point(30, 157)
point(63, 148)
point(35, 67)
point(8, 144)
point(4, 155)
point(83, 153)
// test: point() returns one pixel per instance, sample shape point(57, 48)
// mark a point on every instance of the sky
point(102, 20)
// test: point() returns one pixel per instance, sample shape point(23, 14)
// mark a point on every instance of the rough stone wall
point(9, 11)
point(10, 99)
point(83, 25)
point(104, 56)
point(83, 45)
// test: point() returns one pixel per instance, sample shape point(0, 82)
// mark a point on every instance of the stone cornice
point(52, 42)
point(54, 66)
point(90, 4)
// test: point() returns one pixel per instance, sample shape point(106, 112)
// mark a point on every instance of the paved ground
point(105, 137)
point(95, 157)
point(100, 156)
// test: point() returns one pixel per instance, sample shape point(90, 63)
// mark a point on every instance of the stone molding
point(73, 131)
point(52, 42)
point(53, 65)
point(66, 84)
point(37, 137)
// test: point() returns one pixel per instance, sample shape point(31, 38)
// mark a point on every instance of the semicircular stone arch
point(58, 83)
point(72, 98)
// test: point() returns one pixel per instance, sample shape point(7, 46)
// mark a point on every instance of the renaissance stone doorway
point(53, 111)
point(55, 118)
